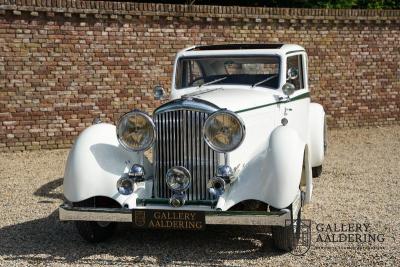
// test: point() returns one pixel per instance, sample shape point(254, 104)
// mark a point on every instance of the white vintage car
point(238, 143)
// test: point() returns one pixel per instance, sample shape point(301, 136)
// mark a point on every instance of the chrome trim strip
point(221, 219)
point(94, 214)
point(67, 213)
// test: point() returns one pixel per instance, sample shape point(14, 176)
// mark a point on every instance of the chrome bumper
point(68, 213)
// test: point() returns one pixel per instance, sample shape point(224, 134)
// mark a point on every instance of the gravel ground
point(359, 184)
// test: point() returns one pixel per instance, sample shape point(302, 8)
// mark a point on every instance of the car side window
point(296, 62)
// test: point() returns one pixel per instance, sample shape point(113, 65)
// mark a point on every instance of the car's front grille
point(180, 142)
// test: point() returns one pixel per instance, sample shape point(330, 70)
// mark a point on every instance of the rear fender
point(317, 134)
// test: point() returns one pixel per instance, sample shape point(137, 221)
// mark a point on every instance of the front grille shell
point(180, 142)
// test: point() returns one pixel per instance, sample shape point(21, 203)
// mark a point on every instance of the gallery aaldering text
point(347, 232)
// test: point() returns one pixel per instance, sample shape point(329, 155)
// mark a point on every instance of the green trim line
point(302, 96)
point(165, 201)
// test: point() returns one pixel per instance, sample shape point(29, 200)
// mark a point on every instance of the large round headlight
point(136, 131)
point(224, 131)
point(178, 178)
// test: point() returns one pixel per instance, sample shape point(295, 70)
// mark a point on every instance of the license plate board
point(168, 219)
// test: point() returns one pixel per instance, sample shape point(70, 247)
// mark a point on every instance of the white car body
point(272, 165)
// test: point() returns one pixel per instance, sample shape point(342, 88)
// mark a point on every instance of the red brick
point(58, 73)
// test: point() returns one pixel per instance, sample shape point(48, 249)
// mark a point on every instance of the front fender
point(96, 162)
point(273, 173)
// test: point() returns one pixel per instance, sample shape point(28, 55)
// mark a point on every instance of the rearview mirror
point(159, 92)
point(292, 73)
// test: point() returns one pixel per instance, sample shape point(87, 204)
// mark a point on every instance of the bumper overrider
point(186, 217)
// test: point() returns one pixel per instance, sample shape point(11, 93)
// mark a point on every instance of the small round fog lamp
point(125, 186)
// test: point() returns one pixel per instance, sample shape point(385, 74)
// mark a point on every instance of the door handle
point(286, 110)
point(284, 99)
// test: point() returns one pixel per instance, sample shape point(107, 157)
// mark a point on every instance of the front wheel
point(316, 171)
point(95, 232)
point(286, 237)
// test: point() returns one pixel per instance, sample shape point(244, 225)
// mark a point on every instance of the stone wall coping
point(127, 9)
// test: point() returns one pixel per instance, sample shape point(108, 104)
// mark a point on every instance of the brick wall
point(62, 63)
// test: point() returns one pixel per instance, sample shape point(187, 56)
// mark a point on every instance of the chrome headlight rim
point(148, 118)
point(242, 129)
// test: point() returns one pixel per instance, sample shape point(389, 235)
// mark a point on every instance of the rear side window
point(296, 62)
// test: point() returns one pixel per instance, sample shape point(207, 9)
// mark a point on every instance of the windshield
point(253, 71)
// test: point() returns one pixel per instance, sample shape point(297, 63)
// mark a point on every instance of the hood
point(234, 98)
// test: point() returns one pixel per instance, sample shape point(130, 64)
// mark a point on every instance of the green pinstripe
point(302, 96)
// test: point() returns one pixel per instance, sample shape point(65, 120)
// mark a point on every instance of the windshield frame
point(177, 68)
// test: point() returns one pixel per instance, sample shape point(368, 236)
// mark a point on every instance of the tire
point(316, 171)
point(286, 238)
point(95, 232)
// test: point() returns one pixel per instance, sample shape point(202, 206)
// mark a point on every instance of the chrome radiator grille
point(180, 142)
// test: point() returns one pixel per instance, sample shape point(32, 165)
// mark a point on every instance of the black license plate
point(169, 219)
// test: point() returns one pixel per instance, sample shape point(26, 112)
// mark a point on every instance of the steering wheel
point(197, 79)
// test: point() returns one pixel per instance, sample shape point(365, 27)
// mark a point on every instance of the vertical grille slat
point(166, 151)
point(205, 149)
point(190, 149)
point(198, 158)
point(180, 142)
point(193, 143)
point(156, 156)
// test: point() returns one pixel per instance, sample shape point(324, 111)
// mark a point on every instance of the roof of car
point(273, 48)
point(236, 46)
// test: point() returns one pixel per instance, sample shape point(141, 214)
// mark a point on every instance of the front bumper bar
point(68, 213)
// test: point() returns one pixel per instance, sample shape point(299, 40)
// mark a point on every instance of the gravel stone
point(359, 184)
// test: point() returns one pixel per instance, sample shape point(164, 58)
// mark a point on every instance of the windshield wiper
point(201, 92)
point(214, 81)
point(265, 80)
